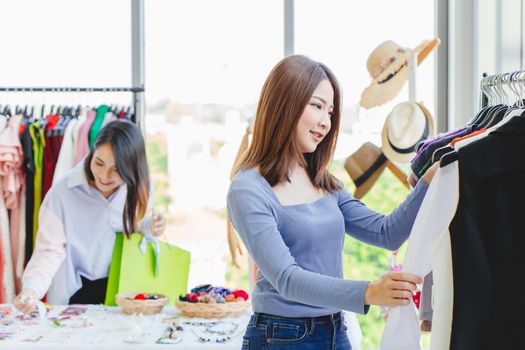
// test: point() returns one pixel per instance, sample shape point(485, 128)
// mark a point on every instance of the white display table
point(108, 328)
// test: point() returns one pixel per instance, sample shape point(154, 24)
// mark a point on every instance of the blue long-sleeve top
point(298, 248)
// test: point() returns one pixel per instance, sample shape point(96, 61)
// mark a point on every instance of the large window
point(206, 61)
point(66, 43)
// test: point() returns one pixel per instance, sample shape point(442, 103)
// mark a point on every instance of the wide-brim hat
point(364, 167)
point(387, 65)
point(406, 125)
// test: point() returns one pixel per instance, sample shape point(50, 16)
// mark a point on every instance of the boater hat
point(407, 124)
point(387, 65)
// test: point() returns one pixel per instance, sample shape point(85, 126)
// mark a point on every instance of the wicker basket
point(146, 307)
point(212, 310)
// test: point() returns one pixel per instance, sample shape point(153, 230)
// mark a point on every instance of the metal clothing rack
point(66, 89)
point(71, 89)
point(499, 88)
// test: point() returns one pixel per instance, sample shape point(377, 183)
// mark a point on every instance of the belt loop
point(255, 318)
point(312, 325)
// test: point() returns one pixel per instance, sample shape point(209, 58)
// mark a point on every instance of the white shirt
point(402, 330)
point(75, 238)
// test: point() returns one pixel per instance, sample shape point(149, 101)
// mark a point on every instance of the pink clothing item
point(18, 217)
point(11, 159)
point(82, 148)
point(3, 298)
point(13, 180)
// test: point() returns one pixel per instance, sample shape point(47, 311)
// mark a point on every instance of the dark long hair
point(284, 96)
point(129, 151)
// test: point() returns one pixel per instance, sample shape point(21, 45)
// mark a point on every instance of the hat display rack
point(364, 171)
point(412, 96)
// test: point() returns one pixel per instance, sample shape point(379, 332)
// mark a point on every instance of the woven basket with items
point(207, 301)
point(141, 303)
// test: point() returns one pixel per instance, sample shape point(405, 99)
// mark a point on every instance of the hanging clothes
point(486, 237)
point(110, 116)
point(35, 152)
point(29, 170)
point(97, 124)
point(66, 154)
point(51, 151)
point(37, 136)
point(472, 188)
point(11, 160)
point(82, 148)
point(7, 293)
point(6, 277)
point(76, 131)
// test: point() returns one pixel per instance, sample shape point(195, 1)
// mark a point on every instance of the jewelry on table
point(203, 339)
point(207, 323)
point(216, 329)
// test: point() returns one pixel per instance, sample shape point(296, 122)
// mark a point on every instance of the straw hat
point(387, 65)
point(364, 167)
point(407, 124)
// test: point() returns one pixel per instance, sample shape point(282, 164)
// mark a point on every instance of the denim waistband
point(335, 319)
point(319, 319)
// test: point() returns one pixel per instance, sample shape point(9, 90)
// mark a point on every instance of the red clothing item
point(51, 152)
point(457, 139)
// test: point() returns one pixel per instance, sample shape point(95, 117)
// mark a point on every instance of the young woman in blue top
point(292, 214)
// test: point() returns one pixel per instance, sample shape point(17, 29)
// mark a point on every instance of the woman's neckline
point(269, 187)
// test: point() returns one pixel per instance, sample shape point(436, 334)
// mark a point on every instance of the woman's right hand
point(394, 289)
point(26, 301)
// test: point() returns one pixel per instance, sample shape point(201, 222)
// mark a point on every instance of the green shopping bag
point(135, 268)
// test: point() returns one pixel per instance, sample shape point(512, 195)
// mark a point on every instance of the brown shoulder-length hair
point(284, 96)
point(129, 151)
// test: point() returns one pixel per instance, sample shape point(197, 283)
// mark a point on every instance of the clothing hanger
point(494, 116)
point(77, 111)
point(7, 111)
point(499, 110)
point(493, 87)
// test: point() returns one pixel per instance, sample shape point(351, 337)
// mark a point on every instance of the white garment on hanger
point(8, 280)
point(402, 330)
point(354, 330)
point(442, 292)
point(66, 155)
point(109, 117)
point(3, 122)
point(20, 260)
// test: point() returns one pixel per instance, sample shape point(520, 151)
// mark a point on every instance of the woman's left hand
point(158, 225)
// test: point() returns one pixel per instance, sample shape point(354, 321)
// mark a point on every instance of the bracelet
point(215, 329)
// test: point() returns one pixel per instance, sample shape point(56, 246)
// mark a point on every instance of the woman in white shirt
point(106, 193)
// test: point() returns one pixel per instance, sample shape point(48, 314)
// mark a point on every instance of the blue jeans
point(274, 332)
